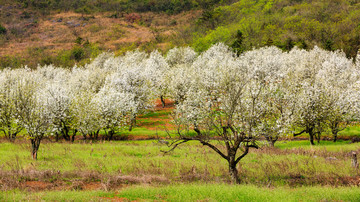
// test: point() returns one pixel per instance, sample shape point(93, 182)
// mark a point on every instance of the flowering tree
point(113, 109)
point(270, 65)
point(228, 100)
point(60, 98)
point(84, 84)
point(156, 70)
point(179, 74)
point(33, 109)
point(321, 79)
point(8, 121)
point(340, 75)
point(132, 79)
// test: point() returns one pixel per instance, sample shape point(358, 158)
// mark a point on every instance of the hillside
point(331, 24)
point(66, 38)
point(70, 32)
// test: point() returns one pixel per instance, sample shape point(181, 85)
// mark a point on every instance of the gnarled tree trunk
point(12, 137)
point(311, 138)
point(35, 144)
point(271, 140)
point(162, 101)
point(233, 171)
point(73, 136)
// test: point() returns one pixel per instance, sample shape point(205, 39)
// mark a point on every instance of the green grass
point(350, 131)
point(16, 195)
point(194, 192)
point(188, 163)
point(141, 131)
point(223, 192)
point(156, 114)
point(329, 145)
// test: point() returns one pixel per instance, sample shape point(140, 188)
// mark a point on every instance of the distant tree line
point(168, 6)
point(331, 25)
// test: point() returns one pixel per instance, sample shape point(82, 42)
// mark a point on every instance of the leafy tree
point(237, 44)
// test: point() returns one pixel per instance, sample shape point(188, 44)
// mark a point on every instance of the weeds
point(116, 164)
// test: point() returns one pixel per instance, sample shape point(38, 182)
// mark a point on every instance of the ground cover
point(135, 169)
point(113, 164)
point(193, 192)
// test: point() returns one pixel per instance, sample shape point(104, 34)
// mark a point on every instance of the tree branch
point(215, 149)
point(296, 134)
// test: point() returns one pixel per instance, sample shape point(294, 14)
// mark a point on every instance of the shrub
point(77, 53)
point(2, 30)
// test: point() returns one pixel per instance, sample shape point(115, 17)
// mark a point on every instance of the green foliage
point(78, 40)
point(237, 44)
point(329, 24)
point(87, 7)
point(77, 53)
point(2, 30)
point(11, 61)
point(220, 34)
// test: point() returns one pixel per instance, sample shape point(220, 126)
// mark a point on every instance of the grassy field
point(137, 162)
point(136, 169)
point(194, 192)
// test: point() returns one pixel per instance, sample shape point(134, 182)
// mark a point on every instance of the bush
point(2, 29)
point(78, 53)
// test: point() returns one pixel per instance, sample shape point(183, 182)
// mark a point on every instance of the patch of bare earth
point(58, 31)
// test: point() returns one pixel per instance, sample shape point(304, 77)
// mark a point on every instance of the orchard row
point(238, 99)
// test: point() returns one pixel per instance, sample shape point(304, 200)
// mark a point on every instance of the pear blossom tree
point(134, 83)
point(59, 94)
point(228, 101)
point(113, 110)
point(320, 77)
point(156, 69)
point(9, 124)
point(178, 75)
point(33, 109)
point(60, 99)
point(84, 84)
point(180, 56)
point(86, 115)
point(340, 75)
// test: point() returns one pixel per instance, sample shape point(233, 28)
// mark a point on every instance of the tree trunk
point(318, 137)
point(311, 135)
point(132, 122)
point(312, 140)
point(73, 136)
point(354, 162)
point(233, 172)
point(57, 137)
point(35, 144)
point(110, 135)
point(272, 143)
point(65, 132)
point(271, 140)
point(162, 101)
point(12, 137)
point(334, 136)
